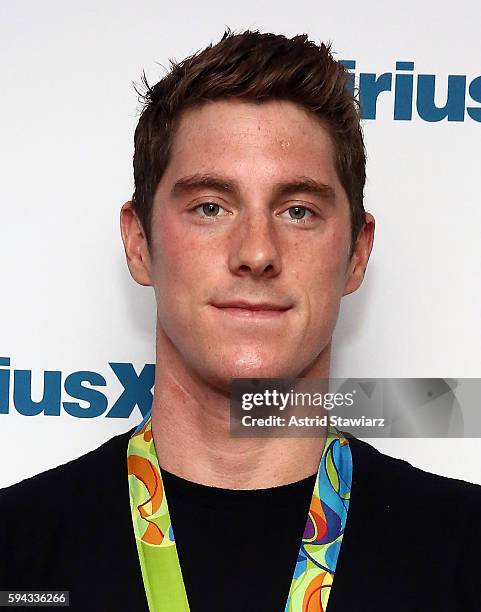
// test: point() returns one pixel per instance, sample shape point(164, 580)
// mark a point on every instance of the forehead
point(268, 138)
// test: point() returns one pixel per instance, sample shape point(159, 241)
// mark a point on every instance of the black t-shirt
point(237, 548)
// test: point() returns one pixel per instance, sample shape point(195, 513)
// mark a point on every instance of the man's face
point(250, 209)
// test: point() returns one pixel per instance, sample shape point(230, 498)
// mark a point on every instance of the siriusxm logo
point(83, 386)
point(420, 92)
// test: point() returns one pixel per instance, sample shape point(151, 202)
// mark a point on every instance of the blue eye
point(208, 209)
point(300, 213)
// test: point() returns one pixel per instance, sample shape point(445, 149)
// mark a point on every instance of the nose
point(254, 246)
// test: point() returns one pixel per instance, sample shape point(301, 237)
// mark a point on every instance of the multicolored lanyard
point(320, 545)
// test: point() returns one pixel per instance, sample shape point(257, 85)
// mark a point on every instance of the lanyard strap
point(320, 545)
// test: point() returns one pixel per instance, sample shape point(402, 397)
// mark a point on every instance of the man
point(248, 221)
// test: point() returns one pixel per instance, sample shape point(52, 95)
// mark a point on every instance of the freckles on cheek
point(173, 249)
point(335, 250)
point(189, 262)
point(322, 268)
point(324, 256)
point(184, 262)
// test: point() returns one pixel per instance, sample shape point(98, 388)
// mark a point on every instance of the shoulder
point(421, 515)
point(413, 530)
point(398, 479)
point(60, 498)
point(78, 506)
point(430, 511)
point(49, 488)
point(70, 528)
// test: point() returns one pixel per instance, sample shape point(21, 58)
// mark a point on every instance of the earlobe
point(135, 245)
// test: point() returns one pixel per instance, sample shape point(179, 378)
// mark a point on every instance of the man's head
point(251, 66)
point(249, 174)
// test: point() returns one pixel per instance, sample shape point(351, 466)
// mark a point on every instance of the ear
point(358, 263)
point(135, 245)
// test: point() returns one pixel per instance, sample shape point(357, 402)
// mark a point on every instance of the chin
point(256, 368)
point(221, 377)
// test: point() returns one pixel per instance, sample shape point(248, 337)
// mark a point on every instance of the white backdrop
point(68, 111)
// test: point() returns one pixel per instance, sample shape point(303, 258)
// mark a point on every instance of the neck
point(190, 427)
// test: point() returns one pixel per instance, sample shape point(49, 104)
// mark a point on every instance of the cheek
point(176, 279)
point(185, 268)
point(322, 263)
point(321, 276)
point(175, 256)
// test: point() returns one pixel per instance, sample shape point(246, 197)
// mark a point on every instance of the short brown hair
point(252, 66)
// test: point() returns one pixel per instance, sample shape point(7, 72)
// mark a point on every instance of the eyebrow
point(188, 184)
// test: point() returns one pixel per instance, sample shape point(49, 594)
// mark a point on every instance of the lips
point(254, 311)
point(258, 306)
